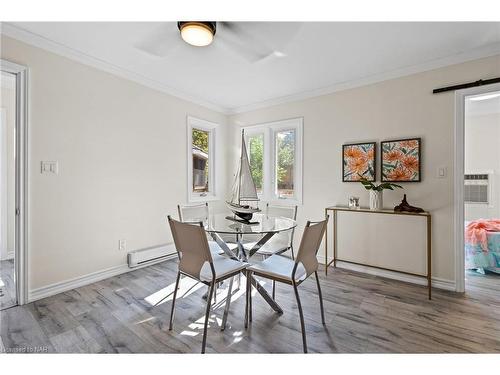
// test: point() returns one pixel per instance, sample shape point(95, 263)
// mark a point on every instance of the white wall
point(8, 106)
point(482, 154)
point(121, 149)
point(398, 108)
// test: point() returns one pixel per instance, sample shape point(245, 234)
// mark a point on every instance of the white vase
point(376, 200)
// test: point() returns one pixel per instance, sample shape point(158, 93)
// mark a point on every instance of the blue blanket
point(476, 258)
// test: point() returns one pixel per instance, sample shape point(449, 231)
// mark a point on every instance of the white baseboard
point(436, 281)
point(63, 286)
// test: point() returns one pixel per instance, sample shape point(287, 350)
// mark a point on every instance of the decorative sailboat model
point(243, 190)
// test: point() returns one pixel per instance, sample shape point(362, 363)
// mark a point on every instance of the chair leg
point(209, 303)
point(247, 298)
point(228, 302)
point(320, 299)
point(274, 289)
point(239, 282)
point(173, 301)
point(293, 255)
point(250, 300)
point(302, 326)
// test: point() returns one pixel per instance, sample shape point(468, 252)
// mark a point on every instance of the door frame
point(21, 191)
point(459, 170)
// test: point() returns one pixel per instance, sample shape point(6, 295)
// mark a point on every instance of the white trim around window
point(213, 157)
point(269, 131)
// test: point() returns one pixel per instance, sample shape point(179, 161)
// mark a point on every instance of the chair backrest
point(192, 245)
point(309, 245)
point(289, 212)
point(193, 213)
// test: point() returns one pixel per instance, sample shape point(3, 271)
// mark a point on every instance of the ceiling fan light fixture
point(199, 34)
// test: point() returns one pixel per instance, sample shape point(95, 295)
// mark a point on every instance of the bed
point(476, 258)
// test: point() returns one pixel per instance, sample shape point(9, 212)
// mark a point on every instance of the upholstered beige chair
point(197, 261)
point(293, 272)
point(280, 242)
point(197, 213)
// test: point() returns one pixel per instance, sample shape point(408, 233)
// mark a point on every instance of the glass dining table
point(263, 227)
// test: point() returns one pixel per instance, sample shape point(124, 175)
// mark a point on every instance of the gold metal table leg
point(326, 244)
point(429, 255)
point(334, 238)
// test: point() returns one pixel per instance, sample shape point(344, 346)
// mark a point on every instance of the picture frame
point(401, 160)
point(359, 160)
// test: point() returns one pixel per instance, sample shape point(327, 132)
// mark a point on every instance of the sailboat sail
point(235, 190)
point(247, 192)
point(244, 186)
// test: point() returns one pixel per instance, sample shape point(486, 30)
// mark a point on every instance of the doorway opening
point(482, 190)
point(13, 183)
point(477, 189)
point(8, 292)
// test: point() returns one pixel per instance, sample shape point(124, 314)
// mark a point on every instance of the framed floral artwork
point(358, 160)
point(401, 160)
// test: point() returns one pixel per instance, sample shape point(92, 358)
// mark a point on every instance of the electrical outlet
point(122, 245)
point(49, 167)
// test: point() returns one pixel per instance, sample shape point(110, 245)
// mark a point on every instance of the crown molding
point(41, 42)
point(474, 54)
point(36, 40)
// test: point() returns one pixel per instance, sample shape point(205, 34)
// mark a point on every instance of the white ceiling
point(317, 57)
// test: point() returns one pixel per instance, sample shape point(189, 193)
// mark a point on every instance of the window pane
point(256, 153)
point(200, 160)
point(285, 160)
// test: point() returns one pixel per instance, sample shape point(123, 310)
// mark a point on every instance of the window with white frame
point(201, 155)
point(275, 154)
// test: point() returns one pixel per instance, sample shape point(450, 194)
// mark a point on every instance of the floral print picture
point(358, 160)
point(401, 160)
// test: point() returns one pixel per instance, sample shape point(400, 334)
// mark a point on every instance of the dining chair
point(280, 242)
point(197, 213)
point(197, 262)
point(293, 272)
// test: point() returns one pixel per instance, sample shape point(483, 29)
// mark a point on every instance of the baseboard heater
point(151, 255)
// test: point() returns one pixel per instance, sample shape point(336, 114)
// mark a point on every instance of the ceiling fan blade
point(249, 54)
point(160, 42)
point(257, 40)
point(242, 42)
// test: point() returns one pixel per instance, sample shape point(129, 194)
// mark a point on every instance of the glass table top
point(218, 223)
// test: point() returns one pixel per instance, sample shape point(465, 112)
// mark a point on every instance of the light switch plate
point(441, 172)
point(49, 167)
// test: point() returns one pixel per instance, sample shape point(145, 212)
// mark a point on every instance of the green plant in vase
point(376, 191)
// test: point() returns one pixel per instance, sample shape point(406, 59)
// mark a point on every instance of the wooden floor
point(7, 285)
point(364, 314)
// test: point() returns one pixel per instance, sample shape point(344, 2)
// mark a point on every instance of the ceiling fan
point(252, 41)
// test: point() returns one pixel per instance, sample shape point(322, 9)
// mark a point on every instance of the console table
point(335, 209)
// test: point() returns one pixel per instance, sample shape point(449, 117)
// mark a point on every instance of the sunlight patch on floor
point(145, 320)
point(187, 286)
point(189, 333)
